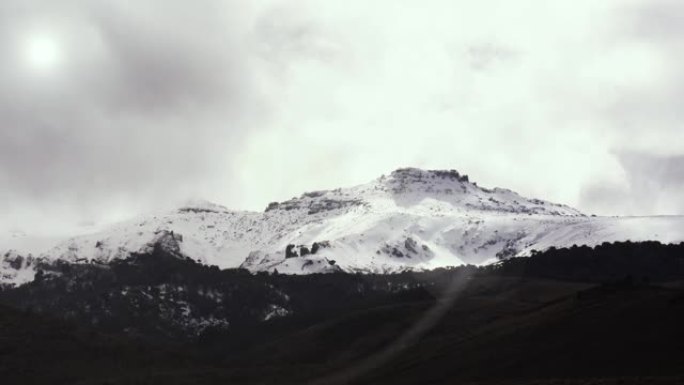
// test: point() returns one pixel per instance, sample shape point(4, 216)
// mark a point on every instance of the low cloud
point(652, 185)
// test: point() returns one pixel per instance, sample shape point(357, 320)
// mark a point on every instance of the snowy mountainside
point(410, 219)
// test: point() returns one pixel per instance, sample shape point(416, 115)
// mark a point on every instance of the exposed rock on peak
point(202, 206)
point(166, 240)
point(411, 174)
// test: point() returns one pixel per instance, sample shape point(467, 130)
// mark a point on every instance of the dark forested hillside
point(612, 313)
point(642, 261)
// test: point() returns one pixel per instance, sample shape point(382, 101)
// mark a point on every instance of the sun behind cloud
point(43, 52)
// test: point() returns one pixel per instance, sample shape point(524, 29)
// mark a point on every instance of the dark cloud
point(146, 102)
point(659, 19)
point(644, 112)
point(653, 186)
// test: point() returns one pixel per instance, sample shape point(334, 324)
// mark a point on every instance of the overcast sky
point(110, 108)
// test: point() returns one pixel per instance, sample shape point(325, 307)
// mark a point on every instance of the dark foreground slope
point(526, 322)
point(36, 349)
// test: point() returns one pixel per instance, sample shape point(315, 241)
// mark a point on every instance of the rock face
point(166, 240)
point(16, 269)
point(289, 251)
point(409, 219)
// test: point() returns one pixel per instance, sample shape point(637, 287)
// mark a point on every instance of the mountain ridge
point(411, 219)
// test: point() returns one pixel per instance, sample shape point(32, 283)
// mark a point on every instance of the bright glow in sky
point(43, 52)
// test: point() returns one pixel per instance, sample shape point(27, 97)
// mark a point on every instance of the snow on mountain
point(411, 219)
point(17, 251)
point(16, 269)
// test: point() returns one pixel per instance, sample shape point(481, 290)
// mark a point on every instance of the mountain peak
point(200, 205)
point(412, 186)
point(409, 219)
point(404, 178)
point(416, 174)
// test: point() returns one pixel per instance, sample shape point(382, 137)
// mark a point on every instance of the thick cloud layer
point(138, 105)
point(109, 108)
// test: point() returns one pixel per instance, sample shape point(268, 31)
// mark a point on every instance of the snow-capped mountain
point(411, 219)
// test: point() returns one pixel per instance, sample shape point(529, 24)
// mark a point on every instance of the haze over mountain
point(409, 219)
